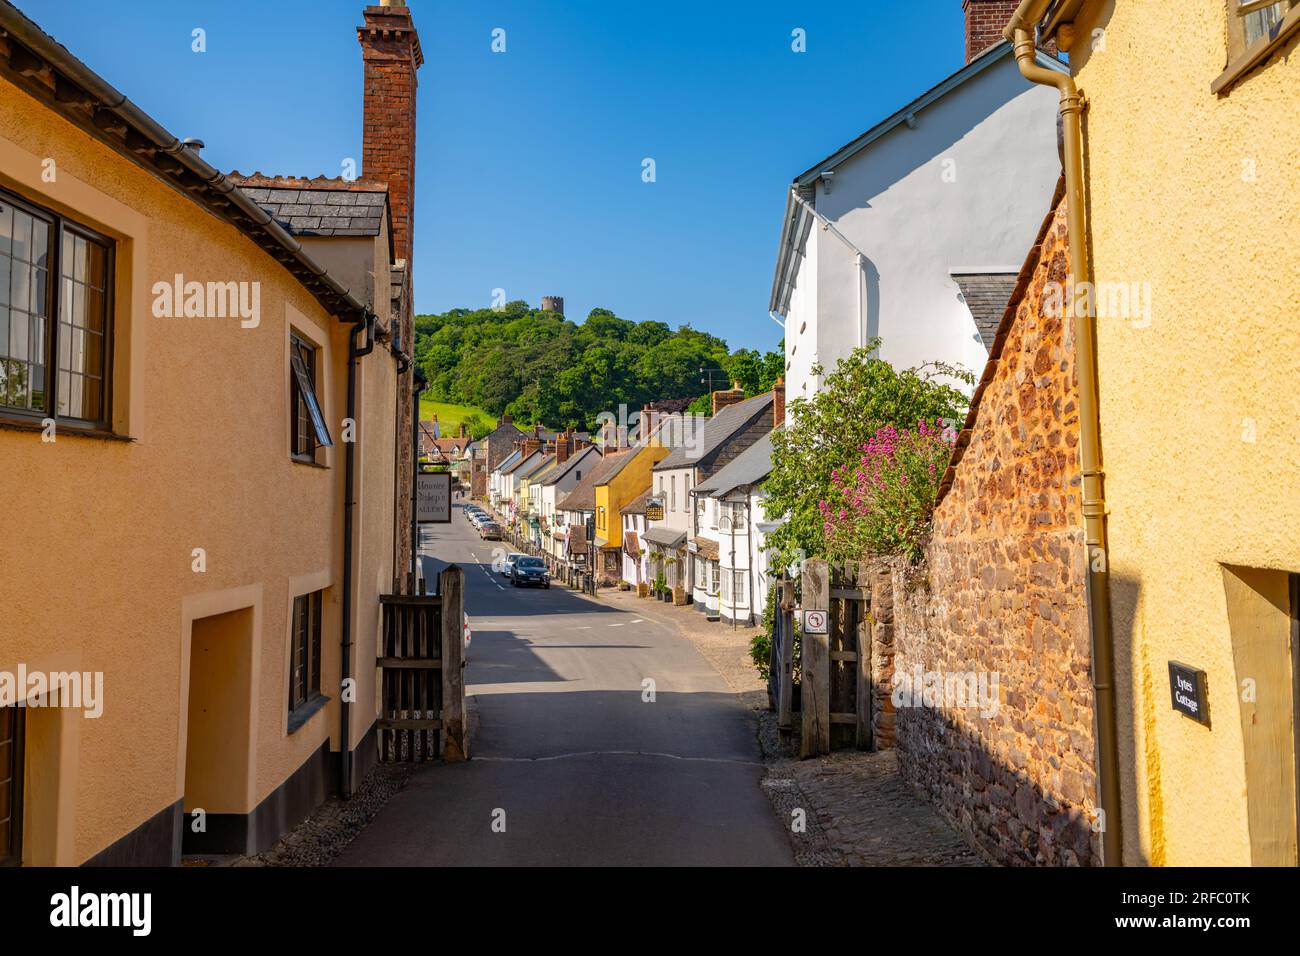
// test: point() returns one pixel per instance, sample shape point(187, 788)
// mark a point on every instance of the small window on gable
point(308, 431)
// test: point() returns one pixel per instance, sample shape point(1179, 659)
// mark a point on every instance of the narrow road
point(568, 756)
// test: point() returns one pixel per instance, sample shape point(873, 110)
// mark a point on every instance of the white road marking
point(616, 625)
point(620, 753)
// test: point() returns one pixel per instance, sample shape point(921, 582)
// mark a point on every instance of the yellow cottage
point(1184, 142)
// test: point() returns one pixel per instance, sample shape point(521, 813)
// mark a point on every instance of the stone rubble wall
point(1001, 593)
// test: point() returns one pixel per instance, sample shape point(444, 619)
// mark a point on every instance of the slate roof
point(716, 431)
point(508, 462)
point(582, 454)
point(583, 495)
point(637, 505)
point(986, 295)
point(668, 538)
point(749, 468)
point(319, 207)
point(622, 462)
point(547, 462)
point(512, 469)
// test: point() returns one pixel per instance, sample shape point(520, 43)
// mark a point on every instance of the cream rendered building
point(175, 471)
point(1193, 206)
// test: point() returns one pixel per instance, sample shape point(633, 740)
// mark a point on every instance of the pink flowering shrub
point(883, 504)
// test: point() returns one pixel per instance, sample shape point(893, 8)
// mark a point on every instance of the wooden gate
point(835, 689)
point(780, 671)
point(422, 709)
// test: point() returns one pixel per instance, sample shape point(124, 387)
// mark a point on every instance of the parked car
point(530, 570)
point(490, 531)
point(508, 568)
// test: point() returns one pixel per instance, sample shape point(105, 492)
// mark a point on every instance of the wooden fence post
point(862, 582)
point(451, 586)
point(785, 684)
point(815, 689)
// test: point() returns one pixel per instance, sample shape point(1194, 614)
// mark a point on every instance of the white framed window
point(1256, 30)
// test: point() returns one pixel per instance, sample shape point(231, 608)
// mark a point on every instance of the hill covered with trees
point(541, 367)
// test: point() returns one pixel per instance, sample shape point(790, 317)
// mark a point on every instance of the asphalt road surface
point(571, 764)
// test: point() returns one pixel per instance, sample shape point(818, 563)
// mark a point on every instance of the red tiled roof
point(260, 180)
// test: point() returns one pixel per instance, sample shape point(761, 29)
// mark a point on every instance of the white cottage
point(911, 232)
point(732, 505)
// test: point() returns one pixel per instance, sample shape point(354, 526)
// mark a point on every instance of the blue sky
point(529, 162)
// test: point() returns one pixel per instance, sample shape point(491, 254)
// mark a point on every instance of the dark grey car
point(529, 571)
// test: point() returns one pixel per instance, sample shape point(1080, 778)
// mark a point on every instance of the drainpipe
point(1021, 30)
point(858, 257)
point(418, 387)
point(367, 327)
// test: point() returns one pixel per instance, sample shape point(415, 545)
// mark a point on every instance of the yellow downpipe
point(1021, 31)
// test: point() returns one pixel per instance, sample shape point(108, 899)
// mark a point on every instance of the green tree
point(827, 432)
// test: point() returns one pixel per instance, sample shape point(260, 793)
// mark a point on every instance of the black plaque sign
point(1187, 687)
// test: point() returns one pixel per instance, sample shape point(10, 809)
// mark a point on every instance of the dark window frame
point(59, 226)
point(14, 772)
point(306, 438)
point(305, 651)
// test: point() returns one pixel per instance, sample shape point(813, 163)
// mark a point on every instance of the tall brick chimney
point(563, 445)
point(778, 403)
point(985, 21)
point(390, 50)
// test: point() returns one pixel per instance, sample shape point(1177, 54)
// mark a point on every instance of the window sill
point(61, 429)
point(304, 713)
point(1262, 50)
point(309, 462)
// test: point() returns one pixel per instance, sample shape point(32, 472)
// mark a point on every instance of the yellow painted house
point(628, 480)
point(1191, 146)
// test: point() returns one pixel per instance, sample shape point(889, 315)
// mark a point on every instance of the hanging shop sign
point(433, 497)
point(654, 509)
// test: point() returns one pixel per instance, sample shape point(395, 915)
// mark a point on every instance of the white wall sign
point(814, 622)
point(433, 497)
